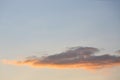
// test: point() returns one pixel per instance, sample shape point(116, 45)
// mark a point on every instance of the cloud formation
point(76, 57)
point(118, 52)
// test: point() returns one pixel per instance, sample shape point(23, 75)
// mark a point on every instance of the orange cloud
point(77, 57)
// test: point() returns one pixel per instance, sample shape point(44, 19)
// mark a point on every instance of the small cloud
point(75, 57)
point(118, 52)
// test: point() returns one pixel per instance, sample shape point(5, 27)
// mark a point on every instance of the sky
point(59, 39)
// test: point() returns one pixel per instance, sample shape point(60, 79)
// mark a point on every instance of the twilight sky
point(59, 39)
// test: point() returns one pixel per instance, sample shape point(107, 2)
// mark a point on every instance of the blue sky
point(39, 27)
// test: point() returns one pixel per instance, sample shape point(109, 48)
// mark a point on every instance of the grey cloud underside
point(77, 55)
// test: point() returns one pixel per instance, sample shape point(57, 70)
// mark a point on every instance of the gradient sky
point(45, 27)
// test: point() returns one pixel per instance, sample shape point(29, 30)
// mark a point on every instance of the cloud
point(118, 51)
point(75, 57)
